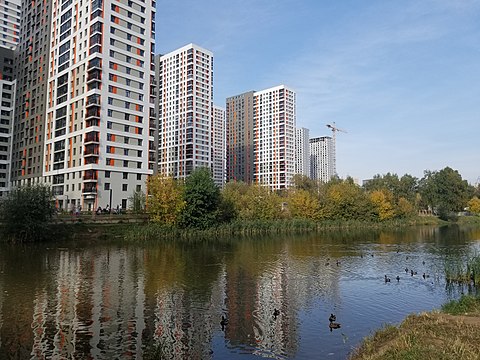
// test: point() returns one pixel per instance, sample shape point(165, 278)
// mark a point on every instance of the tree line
point(197, 203)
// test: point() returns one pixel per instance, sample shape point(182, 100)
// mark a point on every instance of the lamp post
point(110, 201)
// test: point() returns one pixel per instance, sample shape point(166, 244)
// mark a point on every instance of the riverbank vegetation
point(196, 206)
point(463, 271)
point(452, 333)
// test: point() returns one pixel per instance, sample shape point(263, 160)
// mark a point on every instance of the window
point(139, 176)
point(125, 176)
point(107, 174)
point(107, 186)
point(124, 187)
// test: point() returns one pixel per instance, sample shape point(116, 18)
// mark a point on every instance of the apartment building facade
point(322, 158)
point(10, 12)
point(7, 111)
point(240, 146)
point(185, 111)
point(302, 151)
point(99, 101)
point(219, 147)
point(31, 72)
point(261, 137)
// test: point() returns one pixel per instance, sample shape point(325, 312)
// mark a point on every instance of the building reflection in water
point(109, 303)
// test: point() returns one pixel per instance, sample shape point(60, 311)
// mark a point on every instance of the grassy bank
point(153, 231)
point(452, 333)
point(125, 228)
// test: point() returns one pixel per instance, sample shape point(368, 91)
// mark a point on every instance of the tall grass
point(464, 272)
point(248, 228)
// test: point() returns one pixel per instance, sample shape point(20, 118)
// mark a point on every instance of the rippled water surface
point(166, 300)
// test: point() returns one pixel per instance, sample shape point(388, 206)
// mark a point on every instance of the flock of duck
point(411, 271)
point(333, 318)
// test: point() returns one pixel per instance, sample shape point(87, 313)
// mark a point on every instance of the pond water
point(96, 300)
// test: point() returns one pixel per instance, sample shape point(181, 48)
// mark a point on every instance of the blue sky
point(401, 77)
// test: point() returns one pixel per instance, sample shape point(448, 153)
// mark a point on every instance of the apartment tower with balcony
point(322, 158)
point(261, 137)
point(7, 111)
point(240, 145)
point(31, 63)
point(274, 136)
point(10, 11)
point(218, 146)
point(302, 151)
point(99, 101)
point(185, 111)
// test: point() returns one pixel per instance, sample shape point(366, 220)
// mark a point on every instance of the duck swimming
point(398, 278)
point(387, 279)
point(334, 325)
point(332, 318)
point(223, 322)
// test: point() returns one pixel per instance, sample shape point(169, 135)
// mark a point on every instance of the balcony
point(89, 188)
point(90, 176)
point(92, 137)
point(93, 100)
point(94, 75)
point(93, 112)
point(91, 150)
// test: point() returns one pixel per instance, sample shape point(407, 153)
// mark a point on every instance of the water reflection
point(167, 300)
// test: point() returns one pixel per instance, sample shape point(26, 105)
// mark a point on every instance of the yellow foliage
point(382, 204)
point(474, 205)
point(302, 204)
point(165, 199)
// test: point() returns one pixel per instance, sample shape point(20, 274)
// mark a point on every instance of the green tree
point(302, 182)
point(261, 203)
point(137, 202)
point(405, 187)
point(202, 199)
point(27, 212)
point(444, 191)
point(346, 200)
point(404, 208)
point(253, 202)
point(165, 200)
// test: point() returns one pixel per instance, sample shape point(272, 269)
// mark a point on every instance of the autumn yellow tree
point(382, 203)
point(303, 204)
point(474, 205)
point(165, 200)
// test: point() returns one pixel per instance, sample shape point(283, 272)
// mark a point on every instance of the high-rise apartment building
point(261, 137)
point(7, 110)
point(10, 11)
point(99, 102)
point(185, 111)
point(218, 148)
point(322, 158)
point(31, 71)
point(302, 151)
point(240, 146)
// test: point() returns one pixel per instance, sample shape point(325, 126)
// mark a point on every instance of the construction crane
point(334, 131)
